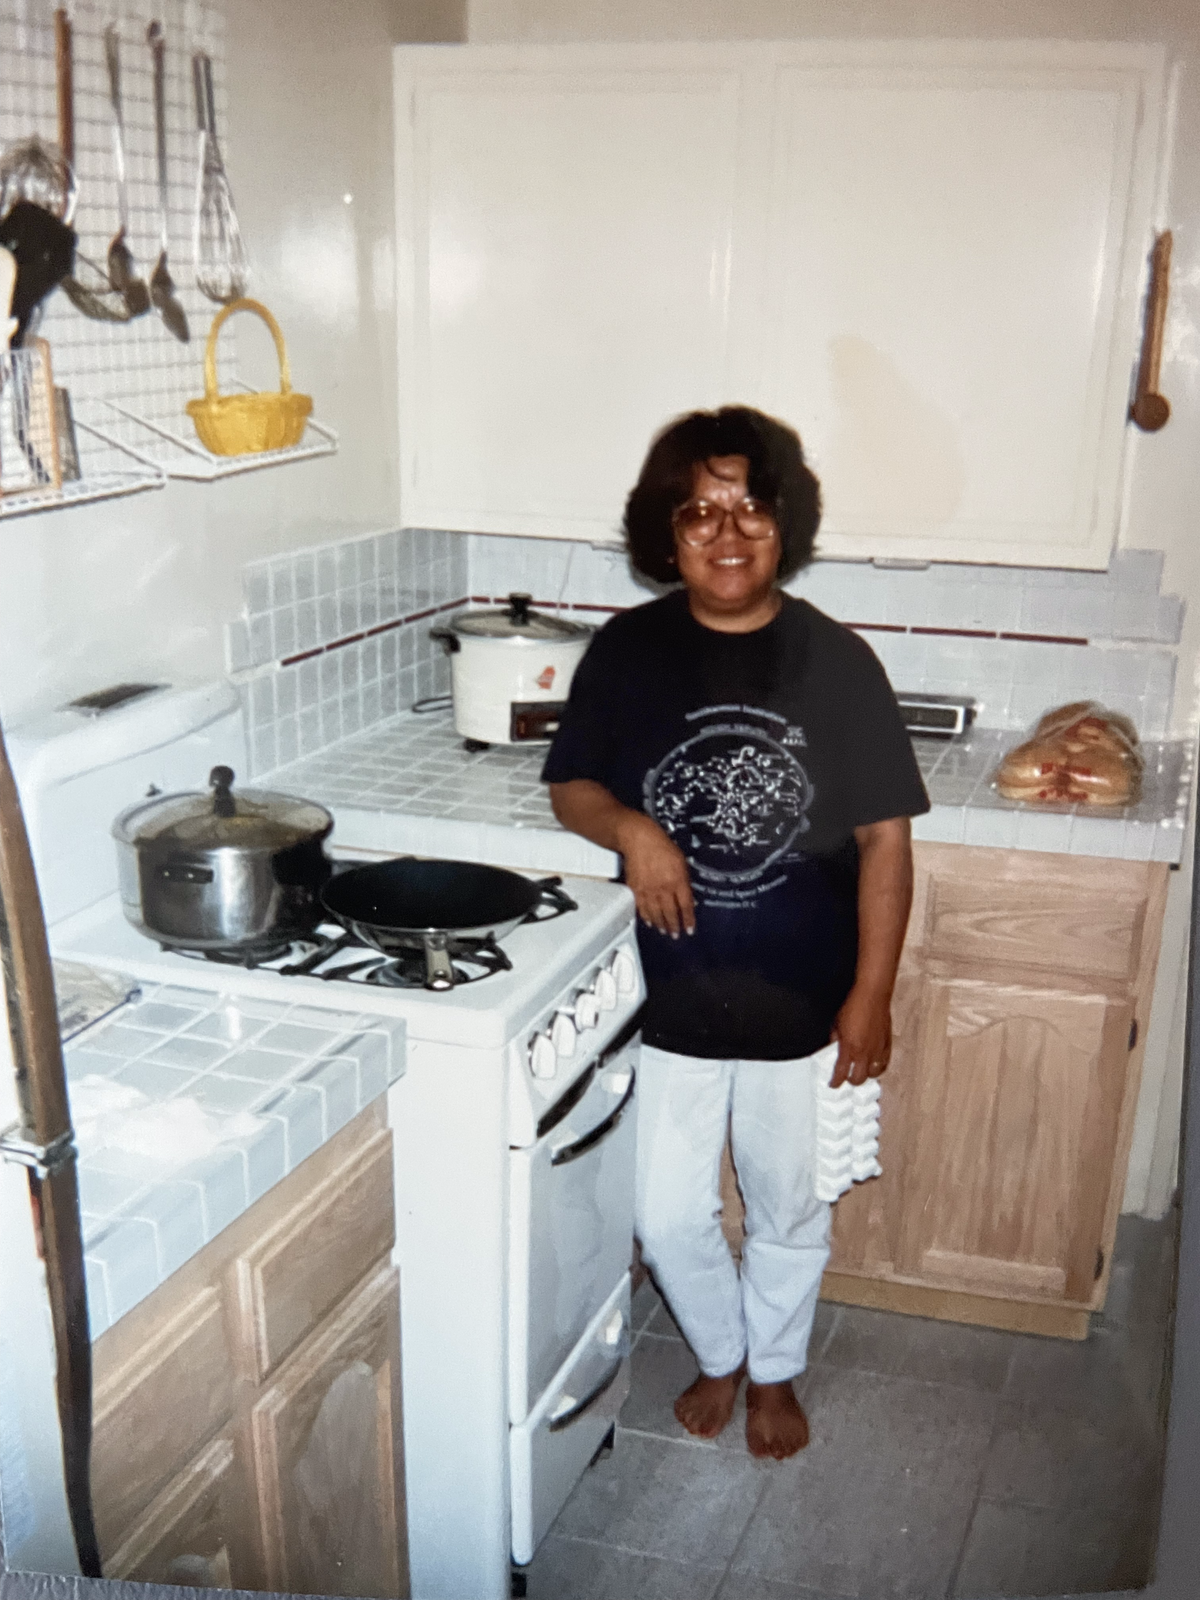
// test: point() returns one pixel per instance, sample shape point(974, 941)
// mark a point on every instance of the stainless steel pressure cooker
point(511, 670)
point(222, 872)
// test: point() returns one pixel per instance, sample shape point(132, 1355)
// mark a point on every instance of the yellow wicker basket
point(244, 424)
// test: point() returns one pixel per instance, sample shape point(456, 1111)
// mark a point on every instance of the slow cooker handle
point(220, 780)
point(448, 637)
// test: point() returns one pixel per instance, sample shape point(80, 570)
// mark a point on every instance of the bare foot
point(707, 1405)
point(775, 1423)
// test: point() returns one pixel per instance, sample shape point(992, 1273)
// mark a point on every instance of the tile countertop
point(255, 1086)
point(407, 784)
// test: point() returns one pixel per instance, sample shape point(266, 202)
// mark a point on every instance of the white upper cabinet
point(928, 258)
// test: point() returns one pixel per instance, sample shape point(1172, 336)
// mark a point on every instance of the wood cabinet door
point(1011, 1132)
point(959, 238)
point(328, 1455)
point(192, 1533)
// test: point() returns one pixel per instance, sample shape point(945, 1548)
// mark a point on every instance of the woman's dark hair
point(776, 474)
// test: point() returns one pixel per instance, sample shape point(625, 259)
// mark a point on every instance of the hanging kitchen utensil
point(44, 250)
point(29, 457)
point(122, 268)
point(162, 288)
point(407, 904)
point(44, 1144)
point(36, 171)
point(96, 299)
point(1151, 410)
point(244, 424)
point(222, 268)
point(8, 282)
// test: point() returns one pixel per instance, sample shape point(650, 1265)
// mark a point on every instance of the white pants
point(685, 1105)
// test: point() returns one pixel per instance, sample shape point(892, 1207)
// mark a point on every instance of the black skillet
point(407, 904)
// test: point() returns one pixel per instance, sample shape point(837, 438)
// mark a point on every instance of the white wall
point(143, 586)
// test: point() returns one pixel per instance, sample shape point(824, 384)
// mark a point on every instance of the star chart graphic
point(733, 798)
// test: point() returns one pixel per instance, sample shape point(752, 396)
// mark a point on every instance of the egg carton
point(847, 1131)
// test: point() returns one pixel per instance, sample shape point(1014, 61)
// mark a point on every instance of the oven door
point(553, 1447)
point(571, 1219)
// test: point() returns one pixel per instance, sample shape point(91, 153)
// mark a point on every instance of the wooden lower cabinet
point(1019, 1018)
point(248, 1413)
point(330, 1502)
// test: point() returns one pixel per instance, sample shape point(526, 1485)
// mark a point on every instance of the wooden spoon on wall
point(1150, 409)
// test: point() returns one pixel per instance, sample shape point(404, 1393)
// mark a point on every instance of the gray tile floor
point(945, 1461)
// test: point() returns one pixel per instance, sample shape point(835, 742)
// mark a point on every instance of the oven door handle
point(572, 1152)
point(580, 1406)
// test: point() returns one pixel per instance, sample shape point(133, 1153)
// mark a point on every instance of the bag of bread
point(1079, 754)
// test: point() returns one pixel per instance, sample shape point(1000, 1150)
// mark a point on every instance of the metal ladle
point(162, 288)
point(98, 299)
point(122, 268)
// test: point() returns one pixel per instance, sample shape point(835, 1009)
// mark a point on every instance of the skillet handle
point(439, 974)
point(550, 893)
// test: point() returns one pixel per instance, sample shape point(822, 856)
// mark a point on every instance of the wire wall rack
point(129, 382)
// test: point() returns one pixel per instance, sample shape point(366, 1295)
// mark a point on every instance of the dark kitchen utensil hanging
point(222, 267)
point(44, 250)
point(162, 288)
point(122, 268)
point(95, 298)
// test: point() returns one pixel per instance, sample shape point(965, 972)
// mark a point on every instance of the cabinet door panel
point(566, 243)
point(190, 1535)
point(951, 245)
point(327, 1444)
point(1012, 1136)
point(154, 1413)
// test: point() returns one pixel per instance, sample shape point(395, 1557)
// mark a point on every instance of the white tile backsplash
point(945, 628)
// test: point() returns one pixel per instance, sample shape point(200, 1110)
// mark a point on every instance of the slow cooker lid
point(251, 819)
point(519, 621)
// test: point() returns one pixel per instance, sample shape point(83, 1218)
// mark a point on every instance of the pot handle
point(448, 637)
point(220, 780)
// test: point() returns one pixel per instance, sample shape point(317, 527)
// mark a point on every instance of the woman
point(744, 754)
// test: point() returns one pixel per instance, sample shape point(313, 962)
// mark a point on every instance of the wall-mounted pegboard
point(129, 382)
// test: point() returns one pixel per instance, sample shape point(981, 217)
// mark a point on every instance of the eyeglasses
point(698, 522)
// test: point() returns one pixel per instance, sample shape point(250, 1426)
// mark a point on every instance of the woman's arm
point(863, 1029)
point(655, 868)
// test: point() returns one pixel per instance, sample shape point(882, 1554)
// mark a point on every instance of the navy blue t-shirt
point(759, 754)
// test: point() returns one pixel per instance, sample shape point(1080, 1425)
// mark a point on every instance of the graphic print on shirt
point(733, 796)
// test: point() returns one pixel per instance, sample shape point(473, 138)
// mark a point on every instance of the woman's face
point(733, 577)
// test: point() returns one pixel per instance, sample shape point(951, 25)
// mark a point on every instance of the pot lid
point(252, 819)
point(519, 621)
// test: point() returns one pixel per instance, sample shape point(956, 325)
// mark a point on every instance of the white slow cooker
point(510, 671)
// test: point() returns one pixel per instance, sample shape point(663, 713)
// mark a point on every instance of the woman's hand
point(863, 1031)
point(657, 872)
point(655, 868)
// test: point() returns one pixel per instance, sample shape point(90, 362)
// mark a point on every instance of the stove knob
point(543, 1058)
point(605, 989)
point(624, 969)
point(562, 1034)
point(587, 1009)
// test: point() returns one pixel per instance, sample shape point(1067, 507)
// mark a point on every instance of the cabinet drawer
point(155, 1412)
point(316, 1252)
point(1052, 926)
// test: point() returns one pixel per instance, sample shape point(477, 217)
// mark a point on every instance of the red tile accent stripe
point(370, 633)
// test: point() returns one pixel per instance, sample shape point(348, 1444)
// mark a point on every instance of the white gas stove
point(513, 1136)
